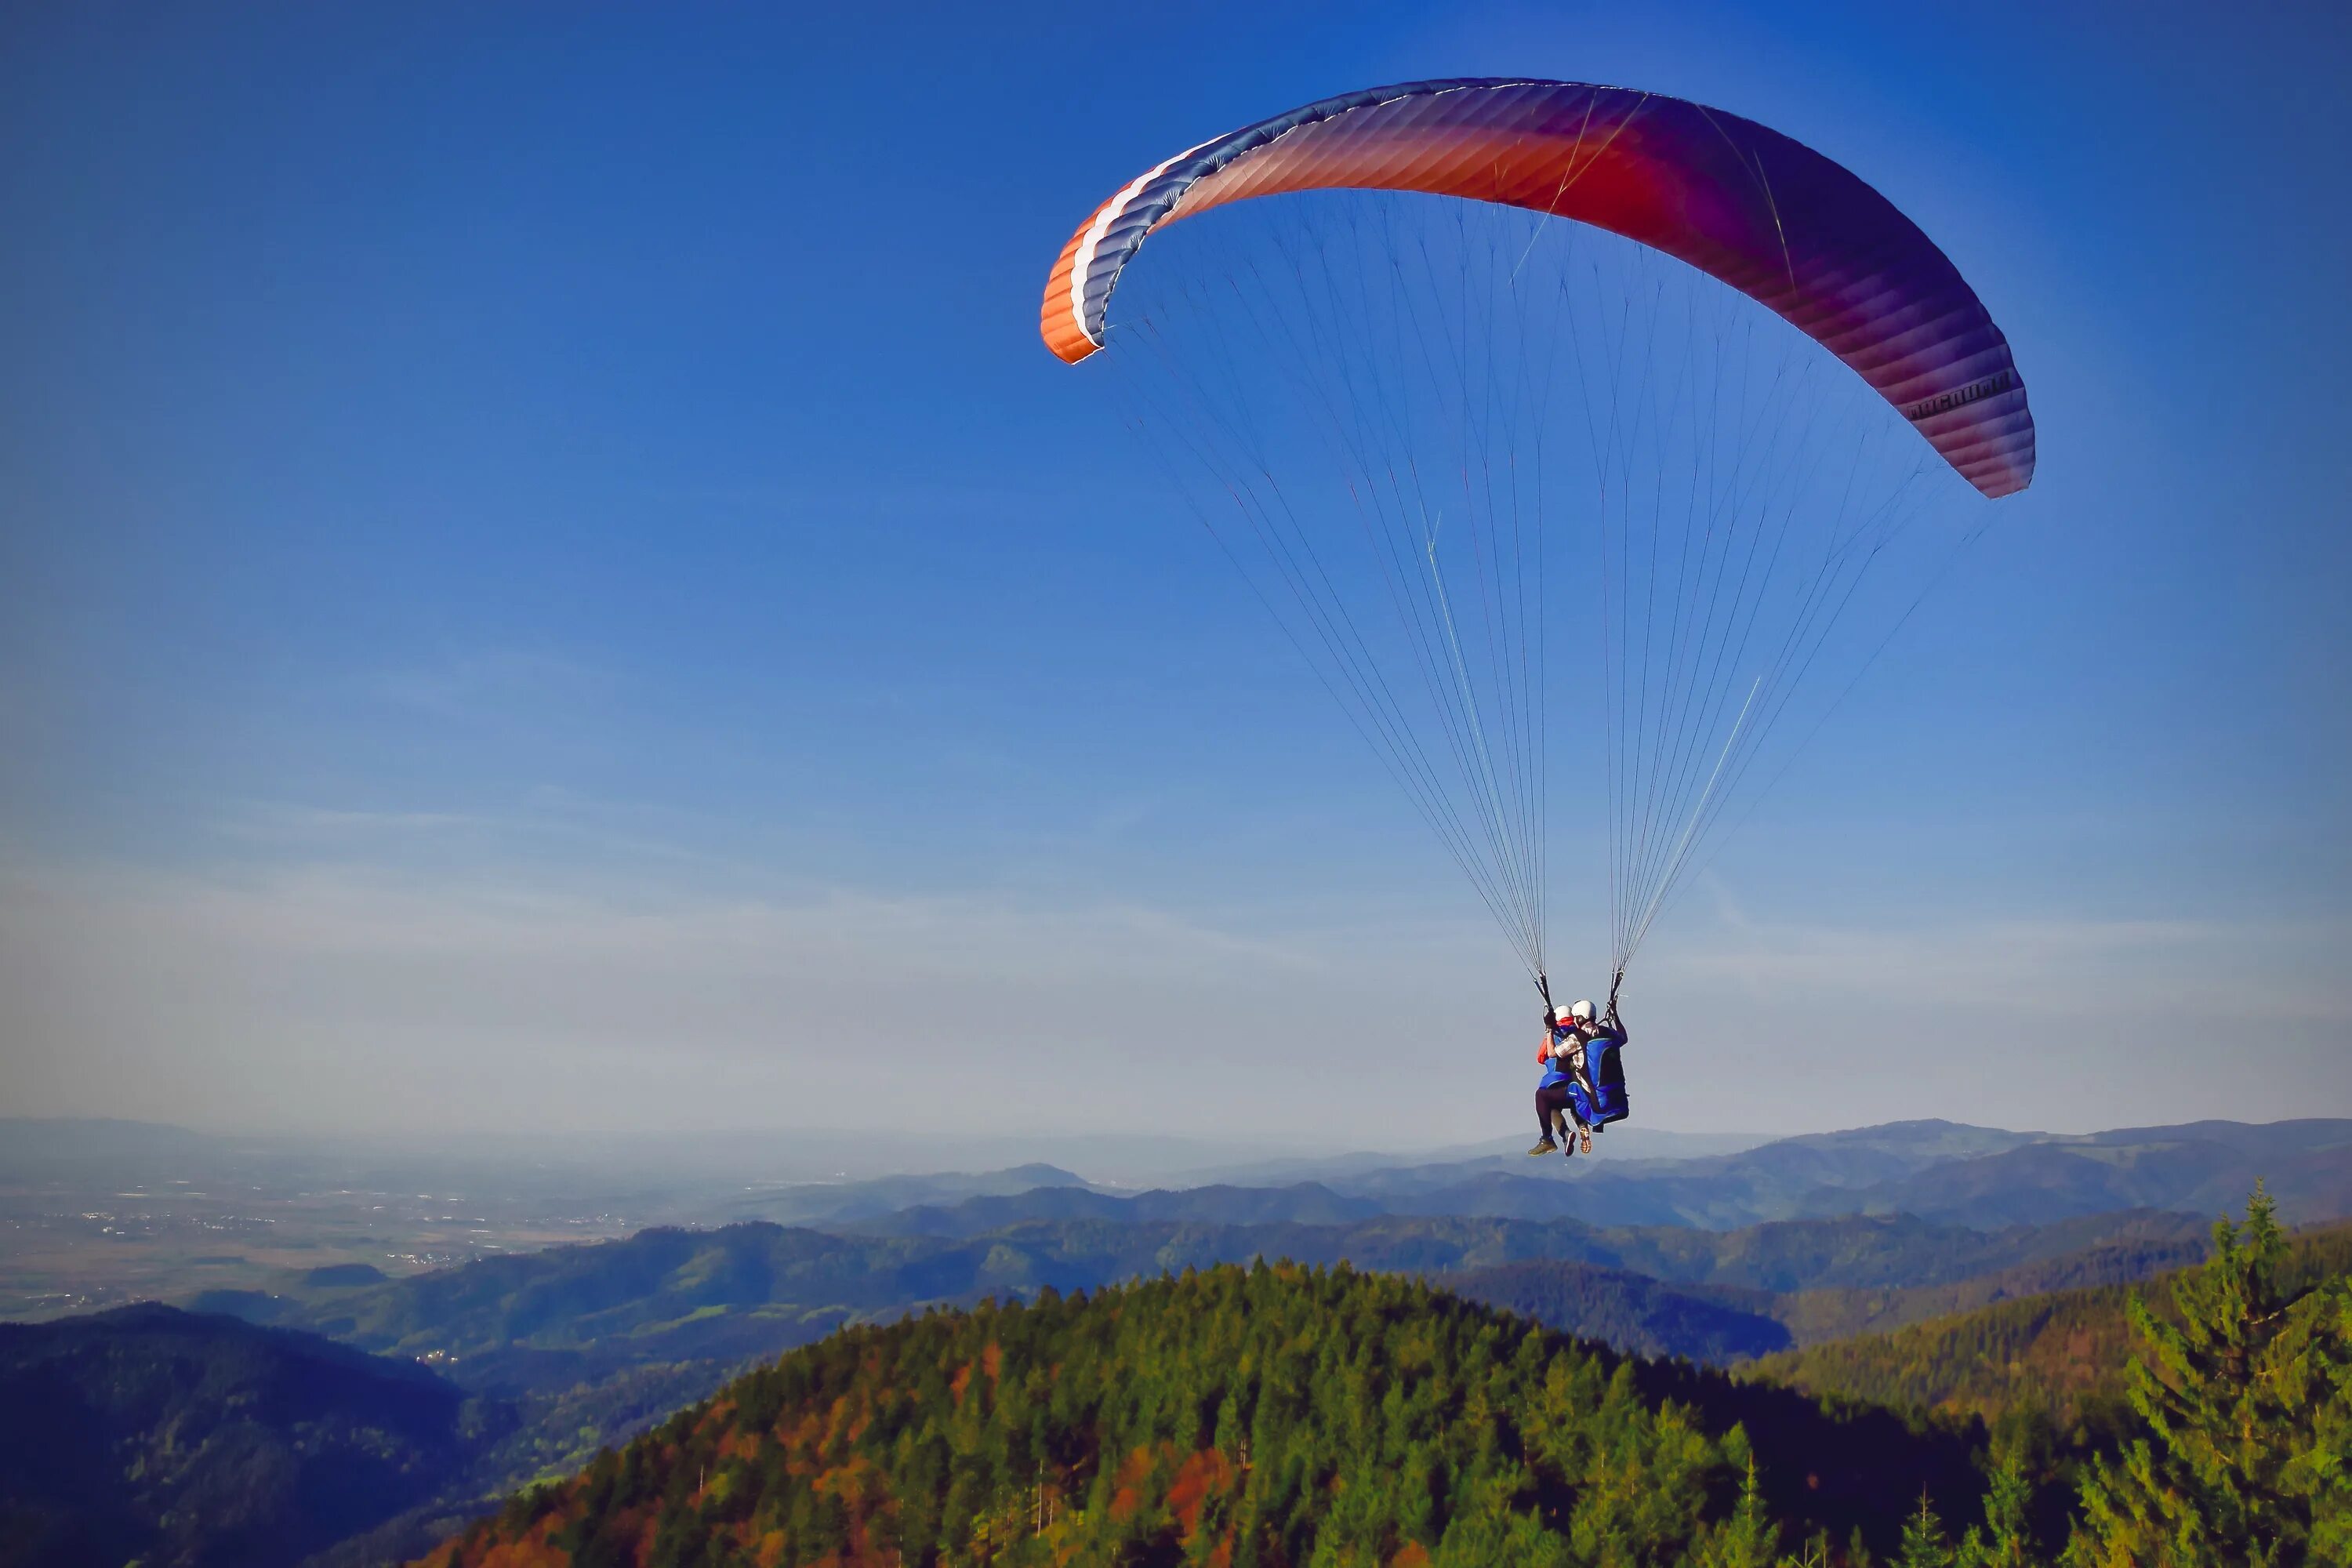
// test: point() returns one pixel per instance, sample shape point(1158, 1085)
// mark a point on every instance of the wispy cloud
point(274, 822)
point(339, 991)
point(594, 834)
point(333, 911)
point(2266, 970)
point(492, 683)
point(366, 985)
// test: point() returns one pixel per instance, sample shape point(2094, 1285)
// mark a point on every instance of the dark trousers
point(1553, 1103)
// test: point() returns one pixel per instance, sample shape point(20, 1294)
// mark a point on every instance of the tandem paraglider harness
point(1606, 1102)
point(1598, 1097)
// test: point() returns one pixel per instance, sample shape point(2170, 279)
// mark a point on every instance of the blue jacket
point(1553, 1072)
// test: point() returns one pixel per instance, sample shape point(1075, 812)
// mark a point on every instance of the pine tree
point(1925, 1544)
point(2323, 1471)
point(2243, 1401)
point(1749, 1537)
point(2005, 1539)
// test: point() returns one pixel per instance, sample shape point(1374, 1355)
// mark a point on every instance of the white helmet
point(1582, 1012)
point(1560, 1014)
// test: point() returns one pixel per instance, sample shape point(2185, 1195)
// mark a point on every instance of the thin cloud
point(272, 822)
point(2273, 971)
point(373, 993)
point(330, 994)
point(491, 683)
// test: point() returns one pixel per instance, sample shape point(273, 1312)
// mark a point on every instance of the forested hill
point(2062, 1354)
point(1277, 1415)
point(176, 1440)
point(1631, 1312)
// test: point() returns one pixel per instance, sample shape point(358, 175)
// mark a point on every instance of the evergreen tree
point(1278, 1418)
point(2323, 1471)
point(2005, 1539)
point(2244, 1401)
point(1747, 1539)
point(1925, 1544)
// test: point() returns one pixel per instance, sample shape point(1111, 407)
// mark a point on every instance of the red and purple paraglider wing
point(1766, 215)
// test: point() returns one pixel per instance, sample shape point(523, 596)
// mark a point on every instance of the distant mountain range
point(518, 1325)
point(2071, 1210)
point(1979, 1177)
point(847, 1202)
point(1935, 1170)
point(1985, 1177)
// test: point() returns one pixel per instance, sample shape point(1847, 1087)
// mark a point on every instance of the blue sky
point(545, 579)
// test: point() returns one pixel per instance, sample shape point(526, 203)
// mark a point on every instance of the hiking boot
point(1546, 1147)
point(1584, 1136)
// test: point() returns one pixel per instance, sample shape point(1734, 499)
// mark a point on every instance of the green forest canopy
point(1288, 1416)
point(1272, 1416)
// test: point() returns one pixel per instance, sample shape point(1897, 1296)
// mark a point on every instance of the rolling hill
point(184, 1441)
point(514, 1325)
point(1630, 1312)
point(1273, 1415)
point(2202, 1168)
point(551, 1356)
point(589, 1344)
point(197, 1440)
point(2062, 1354)
point(1303, 1203)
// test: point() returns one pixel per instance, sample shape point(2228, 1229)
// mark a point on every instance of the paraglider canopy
point(1487, 385)
point(1764, 213)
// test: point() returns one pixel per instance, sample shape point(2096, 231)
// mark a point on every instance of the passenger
point(1564, 1096)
